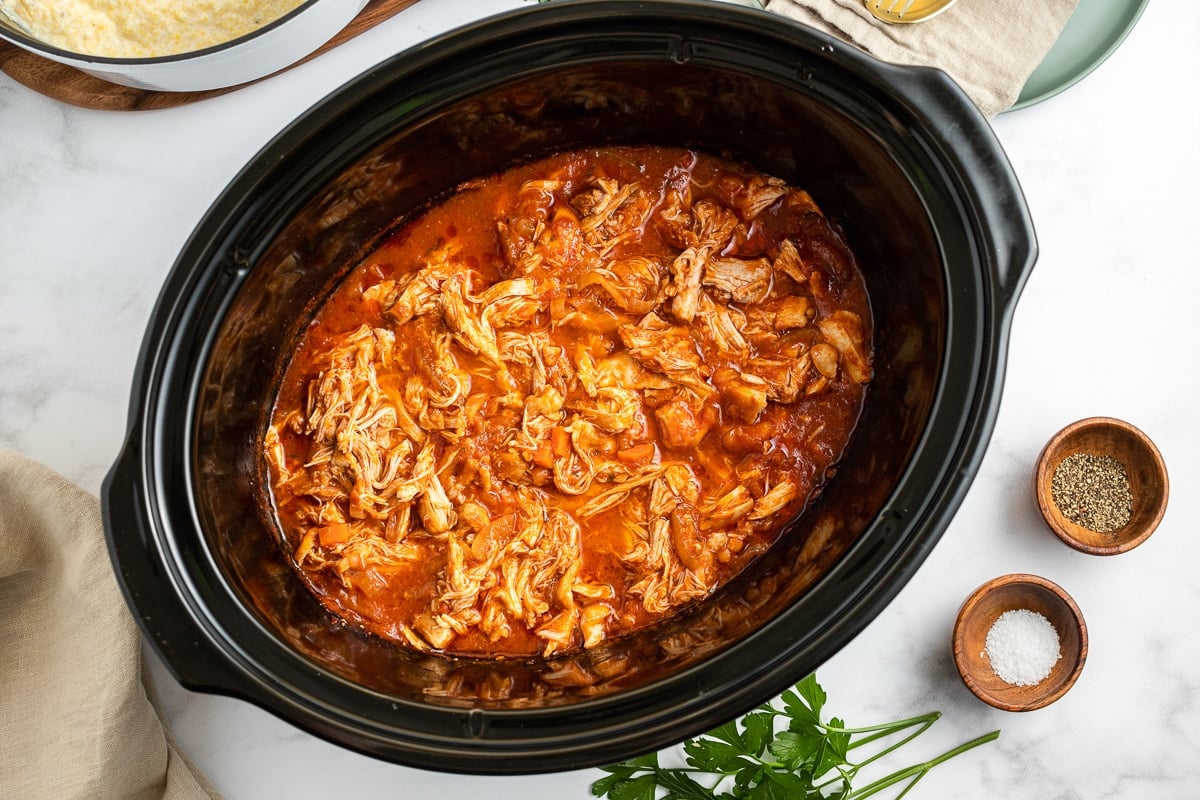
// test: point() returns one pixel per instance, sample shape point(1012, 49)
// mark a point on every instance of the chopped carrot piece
point(330, 535)
point(543, 456)
point(560, 441)
point(639, 452)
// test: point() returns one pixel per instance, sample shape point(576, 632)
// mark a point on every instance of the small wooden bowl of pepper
point(1101, 486)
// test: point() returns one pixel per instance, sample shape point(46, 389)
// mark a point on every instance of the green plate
point(1096, 28)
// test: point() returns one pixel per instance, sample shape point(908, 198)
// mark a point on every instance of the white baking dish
point(247, 58)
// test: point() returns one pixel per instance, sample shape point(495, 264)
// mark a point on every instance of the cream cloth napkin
point(989, 47)
point(76, 722)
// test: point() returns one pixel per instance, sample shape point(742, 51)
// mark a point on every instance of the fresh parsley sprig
point(757, 758)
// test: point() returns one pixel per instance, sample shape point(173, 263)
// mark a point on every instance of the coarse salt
point(1022, 647)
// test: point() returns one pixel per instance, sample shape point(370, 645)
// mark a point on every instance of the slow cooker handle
point(167, 623)
point(1004, 216)
point(965, 140)
point(1008, 229)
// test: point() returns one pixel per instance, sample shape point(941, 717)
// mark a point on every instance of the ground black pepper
point(1093, 491)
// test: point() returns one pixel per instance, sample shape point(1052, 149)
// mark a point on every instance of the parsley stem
point(887, 727)
point(895, 745)
point(918, 771)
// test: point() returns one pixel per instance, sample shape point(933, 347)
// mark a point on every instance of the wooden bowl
point(1105, 436)
point(981, 610)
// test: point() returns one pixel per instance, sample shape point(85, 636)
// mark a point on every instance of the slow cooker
point(896, 156)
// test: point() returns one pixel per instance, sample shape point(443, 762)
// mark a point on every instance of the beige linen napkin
point(75, 720)
point(989, 47)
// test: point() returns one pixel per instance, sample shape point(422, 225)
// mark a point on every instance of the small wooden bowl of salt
point(1020, 642)
point(1101, 486)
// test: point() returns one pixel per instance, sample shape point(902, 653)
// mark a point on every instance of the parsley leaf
point(757, 731)
point(714, 756)
point(794, 748)
point(811, 691)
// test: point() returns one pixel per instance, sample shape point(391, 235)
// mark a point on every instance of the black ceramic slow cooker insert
point(897, 157)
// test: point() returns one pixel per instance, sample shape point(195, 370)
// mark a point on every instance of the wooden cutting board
point(69, 85)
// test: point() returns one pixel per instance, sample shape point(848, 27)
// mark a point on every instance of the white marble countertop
point(94, 207)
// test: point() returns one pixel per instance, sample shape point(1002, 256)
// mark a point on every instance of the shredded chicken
point(583, 413)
